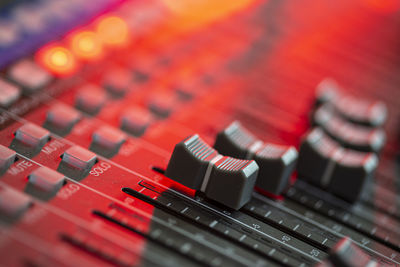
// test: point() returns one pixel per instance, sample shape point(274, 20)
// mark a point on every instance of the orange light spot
point(58, 60)
point(86, 45)
point(113, 31)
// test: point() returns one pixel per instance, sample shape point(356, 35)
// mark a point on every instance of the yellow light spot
point(86, 45)
point(58, 60)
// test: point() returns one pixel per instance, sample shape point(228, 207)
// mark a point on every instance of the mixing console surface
point(201, 133)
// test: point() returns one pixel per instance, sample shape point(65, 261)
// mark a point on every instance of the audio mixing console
point(199, 133)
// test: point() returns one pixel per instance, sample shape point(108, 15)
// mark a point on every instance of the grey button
point(29, 75)
point(109, 137)
point(46, 179)
point(79, 158)
point(189, 161)
point(90, 99)
point(62, 117)
point(161, 105)
point(32, 135)
point(118, 82)
point(351, 174)
point(136, 120)
point(7, 157)
point(13, 203)
point(9, 93)
point(232, 181)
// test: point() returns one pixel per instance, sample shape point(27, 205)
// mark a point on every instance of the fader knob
point(276, 162)
point(343, 172)
point(316, 157)
point(351, 173)
point(232, 181)
point(234, 141)
point(346, 254)
point(189, 162)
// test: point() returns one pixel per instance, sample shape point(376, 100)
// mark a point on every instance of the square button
point(46, 179)
point(32, 135)
point(29, 75)
point(9, 93)
point(108, 137)
point(79, 157)
point(7, 157)
point(13, 203)
point(62, 117)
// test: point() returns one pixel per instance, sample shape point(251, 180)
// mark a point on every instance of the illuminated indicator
point(58, 60)
point(113, 31)
point(86, 45)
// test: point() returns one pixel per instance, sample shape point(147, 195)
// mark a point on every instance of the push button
point(79, 158)
point(46, 179)
point(232, 181)
point(61, 119)
point(7, 157)
point(118, 82)
point(276, 162)
point(90, 99)
point(107, 141)
point(32, 135)
point(9, 93)
point(13, 203)
point(351, 173)
point(161, 105)
point(136, 121)
point(189, 161)
point(29, 75)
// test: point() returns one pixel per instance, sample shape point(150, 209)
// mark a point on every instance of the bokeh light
point(113, 31)
point(86, 45)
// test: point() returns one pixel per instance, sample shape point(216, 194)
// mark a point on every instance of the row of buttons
point(36, 137)
point(25, 76)
point(13, 203)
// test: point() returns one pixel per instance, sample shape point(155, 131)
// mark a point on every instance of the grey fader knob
point(316, 157)
point(351, 173)
point(347, 254)
point(349, 135)
point(189, 162)
point(276, 165)
point(276, 162)
point(234, 141)
point(231, 181)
